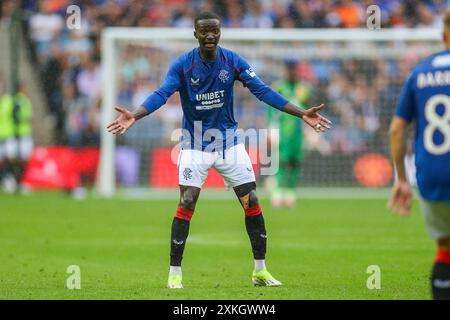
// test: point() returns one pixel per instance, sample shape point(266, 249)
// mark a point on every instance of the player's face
point(207, 33)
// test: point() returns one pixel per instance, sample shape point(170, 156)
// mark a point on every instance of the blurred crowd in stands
point(69, 60)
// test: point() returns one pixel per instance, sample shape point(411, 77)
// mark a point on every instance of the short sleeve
point(406, 107)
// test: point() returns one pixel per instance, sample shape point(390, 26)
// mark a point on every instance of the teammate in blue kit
point(204, 78)
point(425, 98)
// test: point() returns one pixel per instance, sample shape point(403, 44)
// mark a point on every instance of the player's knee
point(253, 199)
point(188, 197)
point(186, 206)
point(253, 208)
point(187, 201)
point(244, 189)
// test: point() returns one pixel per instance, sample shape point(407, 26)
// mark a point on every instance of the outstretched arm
point(266, 94)
point(158, 98)
point(126, 119)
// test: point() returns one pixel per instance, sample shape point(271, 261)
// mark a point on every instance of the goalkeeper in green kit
point(290, 138)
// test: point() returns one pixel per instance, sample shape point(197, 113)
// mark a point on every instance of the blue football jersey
point(425, 98)
point(206, 91)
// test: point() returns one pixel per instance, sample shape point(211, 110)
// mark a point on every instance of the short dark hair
point(205, 15)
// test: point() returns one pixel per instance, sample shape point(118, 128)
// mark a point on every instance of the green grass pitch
point(321, 250)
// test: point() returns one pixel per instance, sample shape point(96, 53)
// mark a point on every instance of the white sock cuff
point(260, 265)
point(174, 270)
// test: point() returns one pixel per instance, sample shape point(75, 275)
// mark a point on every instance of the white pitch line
point(324, 193)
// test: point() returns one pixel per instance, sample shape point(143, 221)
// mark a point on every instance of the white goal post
point(391, 41)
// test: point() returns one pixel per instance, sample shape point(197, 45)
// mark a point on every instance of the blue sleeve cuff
point(406, 117)
point(153, 102)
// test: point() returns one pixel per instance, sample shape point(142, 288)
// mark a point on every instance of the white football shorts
point(25, 145)
point(437, 218)
point(8, 149)
point(233, 164)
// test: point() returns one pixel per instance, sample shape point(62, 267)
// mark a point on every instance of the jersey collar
point(208, 62)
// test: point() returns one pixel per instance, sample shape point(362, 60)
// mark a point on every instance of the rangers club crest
point(224, 76)
point(187, 173)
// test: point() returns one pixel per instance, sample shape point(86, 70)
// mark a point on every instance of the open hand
point(315, 120)
point(401, 198)
point(122, 123)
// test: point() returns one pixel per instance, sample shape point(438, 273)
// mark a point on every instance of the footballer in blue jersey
point(204, 78)
point(425, 99)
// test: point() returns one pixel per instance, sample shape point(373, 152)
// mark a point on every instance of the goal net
point(356, 73)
